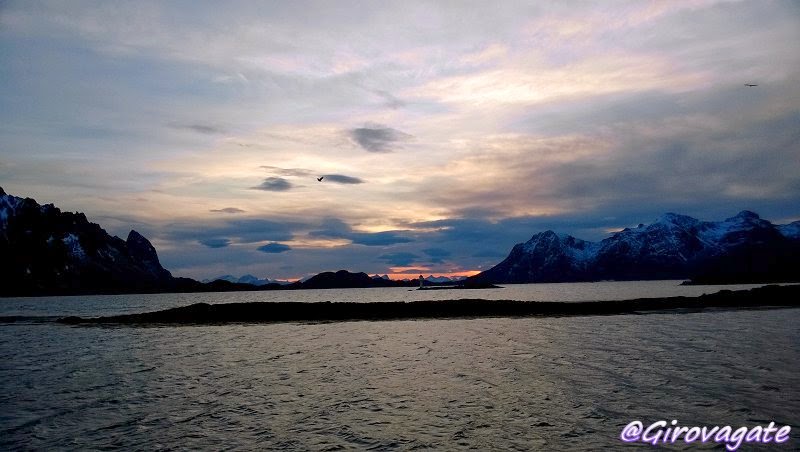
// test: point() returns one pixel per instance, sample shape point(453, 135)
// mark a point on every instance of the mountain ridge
point(48, 251)
point(675, 246)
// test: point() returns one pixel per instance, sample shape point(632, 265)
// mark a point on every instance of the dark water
point(485, 384)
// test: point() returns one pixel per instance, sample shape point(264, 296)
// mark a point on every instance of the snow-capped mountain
point(443, 279)
point(430, 278)
point(791, 230)
point(45, 250)
point(247, 279)
point(674, 246)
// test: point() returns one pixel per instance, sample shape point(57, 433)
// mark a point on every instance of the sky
point(445, 131)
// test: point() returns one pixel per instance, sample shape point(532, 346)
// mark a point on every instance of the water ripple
point(485, 384)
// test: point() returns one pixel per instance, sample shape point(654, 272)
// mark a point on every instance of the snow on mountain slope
point(671, 247)
point(247, 279)
point(46, 250)
point(791, 230)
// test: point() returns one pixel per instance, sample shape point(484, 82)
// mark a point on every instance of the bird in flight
point(749, 84)
point(319, 179)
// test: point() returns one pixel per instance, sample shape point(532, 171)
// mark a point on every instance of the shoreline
point(277, 312)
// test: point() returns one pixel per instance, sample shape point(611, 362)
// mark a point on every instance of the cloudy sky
point(445, 131)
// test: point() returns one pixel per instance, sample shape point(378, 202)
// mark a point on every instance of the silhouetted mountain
point(46, 251)
point(344, 279)
point(744, 248)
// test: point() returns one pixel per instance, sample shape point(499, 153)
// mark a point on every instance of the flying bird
point(319, 179)
point(749, 84)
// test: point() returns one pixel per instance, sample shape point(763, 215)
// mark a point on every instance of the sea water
point(564, 383)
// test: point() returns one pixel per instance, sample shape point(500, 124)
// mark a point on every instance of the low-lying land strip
point(204, 313)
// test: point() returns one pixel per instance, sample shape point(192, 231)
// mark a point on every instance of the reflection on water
point(525, 384)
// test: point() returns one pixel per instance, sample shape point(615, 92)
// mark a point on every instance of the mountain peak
point(675, 218)
point(145, 253)
point(745, 215)
point(135, 236)
point(139, 245)
point(544, 234)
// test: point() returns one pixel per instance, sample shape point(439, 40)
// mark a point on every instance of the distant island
point(45, 251)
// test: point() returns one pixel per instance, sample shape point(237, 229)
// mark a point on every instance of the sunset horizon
point(443, 134)
point(316, 225)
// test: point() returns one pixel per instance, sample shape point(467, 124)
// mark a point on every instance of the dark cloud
point(227, 210)
point(399, 259)
point(274, 184)
point(342, 179)
point(332, 228)
point(335, 228)
point(378, 238)
point(377, 138)
point(436, 252)
point(255, 230)
point(205, 129)
point(437, 255)
point(245, 230)
point(300, 172)
point(215, 242)
point(274, 248)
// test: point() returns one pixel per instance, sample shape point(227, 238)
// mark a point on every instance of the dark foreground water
point(487, 384)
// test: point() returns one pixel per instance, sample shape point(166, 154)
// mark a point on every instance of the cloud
point(399, 259)
point(305, 173)
point(334, 228)
point(274, 248)
point(342, 179)
point(437, 255)
point(245, 230)
point(378, 238)
point(289, 172)
point(205, 129)
point(377, 138)
point(389, 100)
point(227, 210)
point(215, 242)
point(274, 184)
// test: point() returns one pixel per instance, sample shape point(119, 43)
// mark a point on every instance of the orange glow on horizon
point(400, 276)
point(413, 276)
